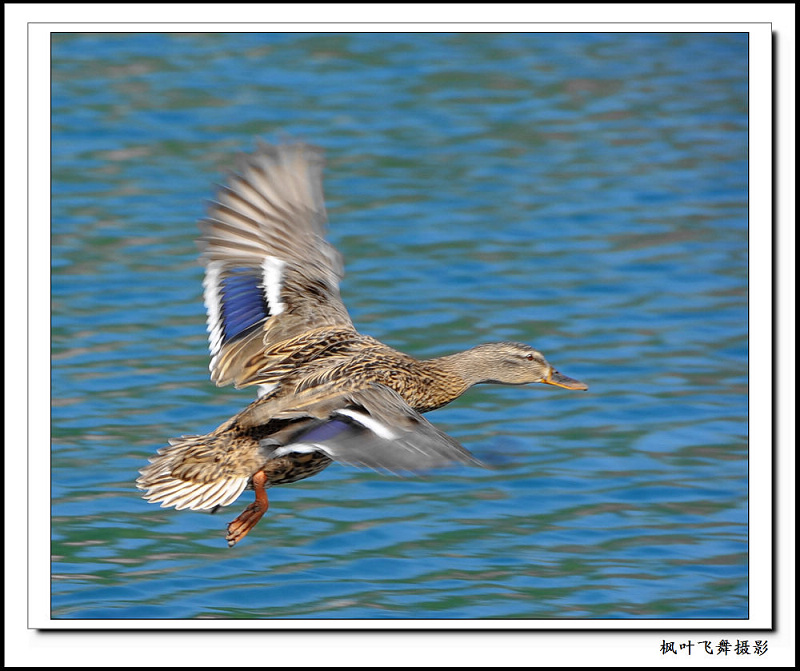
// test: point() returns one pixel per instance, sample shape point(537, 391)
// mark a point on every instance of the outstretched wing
point(373, 428)
point(270, 274)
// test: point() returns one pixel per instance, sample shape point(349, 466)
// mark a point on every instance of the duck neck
point(447, 377)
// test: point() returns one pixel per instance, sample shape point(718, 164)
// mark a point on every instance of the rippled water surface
point(584, 193)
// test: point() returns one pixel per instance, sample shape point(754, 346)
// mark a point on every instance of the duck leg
point(249, 517)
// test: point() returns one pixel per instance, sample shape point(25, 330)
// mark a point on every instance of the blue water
point(584, 193)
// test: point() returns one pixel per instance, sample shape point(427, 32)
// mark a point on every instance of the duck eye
point(529, 357)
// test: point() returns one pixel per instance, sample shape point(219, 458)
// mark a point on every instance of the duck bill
point(558, 380)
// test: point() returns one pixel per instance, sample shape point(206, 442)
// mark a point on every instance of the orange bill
point(559, 380)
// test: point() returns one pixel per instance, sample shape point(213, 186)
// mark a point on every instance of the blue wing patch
point(324, 431)
point(243, 302)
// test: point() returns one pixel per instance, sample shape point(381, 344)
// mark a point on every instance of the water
point(584, 193)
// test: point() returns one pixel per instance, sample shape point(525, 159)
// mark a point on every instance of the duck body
point(326, 392)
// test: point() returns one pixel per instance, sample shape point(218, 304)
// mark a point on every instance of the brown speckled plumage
point(328, 393)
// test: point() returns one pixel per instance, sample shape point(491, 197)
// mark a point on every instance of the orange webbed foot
point(250, 516)
point(240, 527)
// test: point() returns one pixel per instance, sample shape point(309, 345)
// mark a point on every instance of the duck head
point(512, 363)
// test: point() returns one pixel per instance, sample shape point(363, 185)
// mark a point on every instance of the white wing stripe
point(273, 283)
point(302, 448)
point(368, 422)
point(212, 301)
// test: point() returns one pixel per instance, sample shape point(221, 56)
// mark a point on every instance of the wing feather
point(375, 428)
point(268, 222)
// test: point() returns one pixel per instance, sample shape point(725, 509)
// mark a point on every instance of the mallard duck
point(325, 391)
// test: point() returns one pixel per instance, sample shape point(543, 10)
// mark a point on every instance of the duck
point(325, 392)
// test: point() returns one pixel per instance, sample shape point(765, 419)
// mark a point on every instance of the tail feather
point(180, 476)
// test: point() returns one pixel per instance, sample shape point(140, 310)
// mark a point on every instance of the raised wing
point(270, 274)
